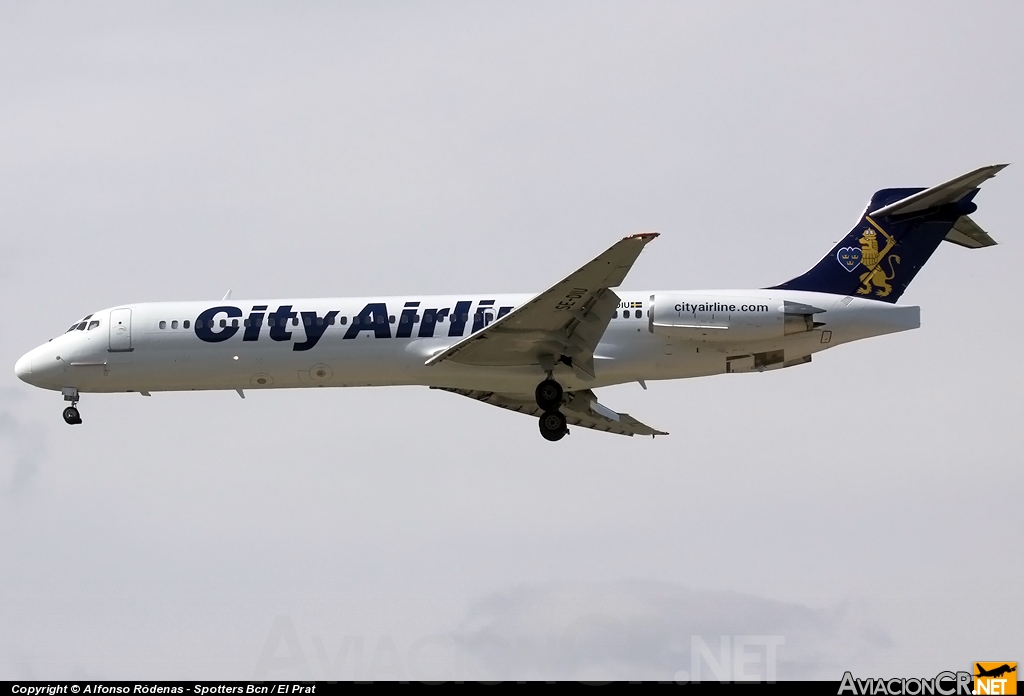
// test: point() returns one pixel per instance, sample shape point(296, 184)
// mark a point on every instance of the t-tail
point(897, 234)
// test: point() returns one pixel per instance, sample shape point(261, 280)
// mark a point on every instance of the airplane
point(543, 354)
point(995, 672)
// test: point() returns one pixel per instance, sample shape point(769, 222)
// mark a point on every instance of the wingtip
point(646, 236)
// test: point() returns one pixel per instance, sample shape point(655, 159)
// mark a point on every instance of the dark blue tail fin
point(895, 237)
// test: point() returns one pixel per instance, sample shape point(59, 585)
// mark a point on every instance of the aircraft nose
point(23, 368)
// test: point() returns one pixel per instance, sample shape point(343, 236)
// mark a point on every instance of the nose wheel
point(71, 414)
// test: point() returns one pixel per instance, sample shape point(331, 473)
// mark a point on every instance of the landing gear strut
point(71, 414)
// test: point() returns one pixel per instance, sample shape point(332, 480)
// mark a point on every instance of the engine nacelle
point(728, 318)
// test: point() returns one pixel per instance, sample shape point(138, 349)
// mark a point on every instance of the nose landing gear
point(71, 414)
point(552, 422)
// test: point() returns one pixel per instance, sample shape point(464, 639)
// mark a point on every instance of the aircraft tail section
point(896, 235)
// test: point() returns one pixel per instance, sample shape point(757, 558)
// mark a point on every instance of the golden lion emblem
point(871, 258)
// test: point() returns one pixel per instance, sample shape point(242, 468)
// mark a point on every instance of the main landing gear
point(549, 395)
point(553, 426)
point(552, 422)
point(71, 414)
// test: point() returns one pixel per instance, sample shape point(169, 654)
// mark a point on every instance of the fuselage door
point(120, 330)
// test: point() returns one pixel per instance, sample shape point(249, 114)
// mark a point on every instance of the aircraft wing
point(567, 319)
point(581, 408)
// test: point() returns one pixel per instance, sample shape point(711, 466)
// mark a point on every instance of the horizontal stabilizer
point(966, 233)
point(943, 194)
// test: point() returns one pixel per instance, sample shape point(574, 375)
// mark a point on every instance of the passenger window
point(295, 321)
point(223, 323)
point(174, 324)
point(234, 323)
point(625, 314)
point(306, 321)
point(380, 318)
point(615, 314)
point(391, 319)
point(343, 320)
point(416, 318)
point(92, 325)
point(319, 321)
point(405, 319)
point(163, 325)
point(330, 321)
point(185, 324)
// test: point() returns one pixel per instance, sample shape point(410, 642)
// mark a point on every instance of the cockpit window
point(92, 325)
point(81, 324)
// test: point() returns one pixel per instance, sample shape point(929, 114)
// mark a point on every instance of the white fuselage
point(346, 342)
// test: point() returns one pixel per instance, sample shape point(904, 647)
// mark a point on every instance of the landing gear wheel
point(549, 395)
point(553, 426)
point(71, 416)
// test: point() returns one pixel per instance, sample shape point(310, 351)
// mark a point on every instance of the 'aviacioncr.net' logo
point(995, 677)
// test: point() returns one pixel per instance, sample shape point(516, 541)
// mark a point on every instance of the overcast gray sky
point(865, 508)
